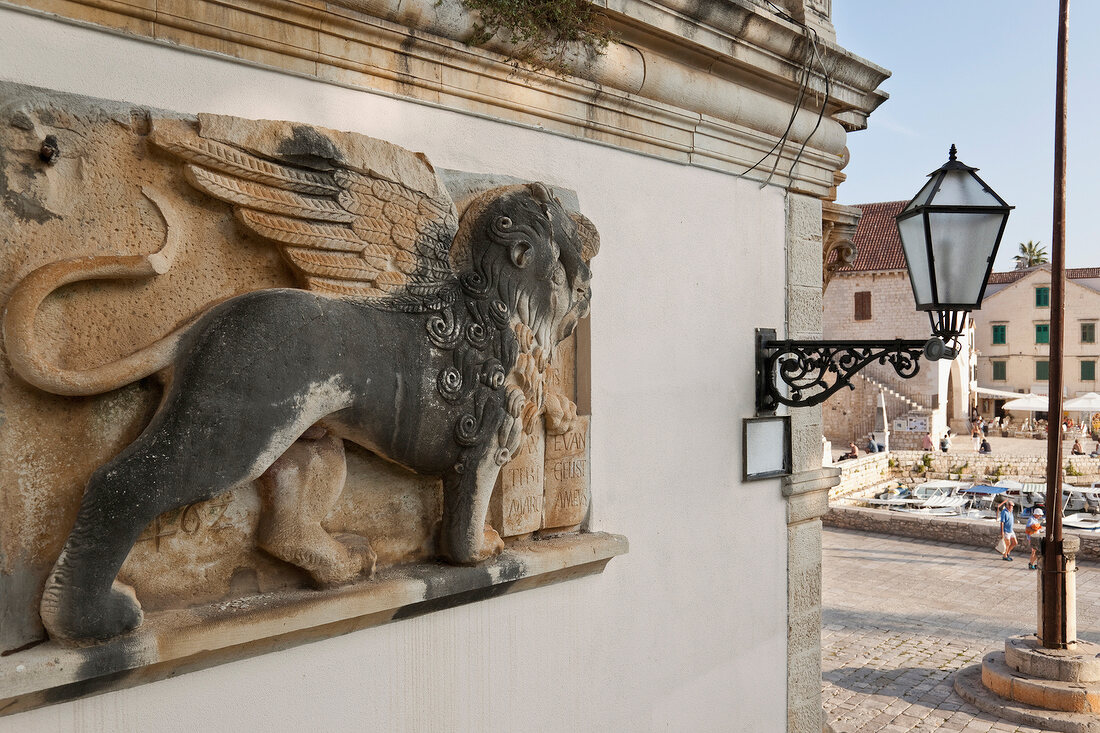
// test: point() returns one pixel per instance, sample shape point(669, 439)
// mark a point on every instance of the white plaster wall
point(687, 632)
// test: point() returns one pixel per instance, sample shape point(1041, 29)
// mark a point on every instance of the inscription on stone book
point(567, 476)
point(519, 491)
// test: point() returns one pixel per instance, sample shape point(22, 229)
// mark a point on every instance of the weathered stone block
point(804, 219)
point(804, 311)
point(807, 506)
point(516, 505)
point(568, 476)
point(806, 440)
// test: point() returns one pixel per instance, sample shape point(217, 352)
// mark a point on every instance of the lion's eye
point(558, 278)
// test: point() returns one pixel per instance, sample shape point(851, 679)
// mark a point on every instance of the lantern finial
point(952, 152)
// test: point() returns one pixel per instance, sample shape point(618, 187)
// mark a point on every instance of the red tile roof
point(1072, 273)
point(878, 246)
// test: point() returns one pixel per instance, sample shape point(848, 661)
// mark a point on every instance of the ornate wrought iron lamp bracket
point(815, 370)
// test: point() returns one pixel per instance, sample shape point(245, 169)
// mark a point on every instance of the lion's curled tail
point(18, 327)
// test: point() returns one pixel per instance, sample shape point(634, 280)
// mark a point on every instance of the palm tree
point(1031, 254)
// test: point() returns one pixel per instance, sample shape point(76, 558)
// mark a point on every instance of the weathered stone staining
point(355, 408)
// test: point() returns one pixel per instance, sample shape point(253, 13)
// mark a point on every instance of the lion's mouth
point(569, 321)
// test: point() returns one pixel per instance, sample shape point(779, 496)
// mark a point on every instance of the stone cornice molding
point(732, 41)
point(708, 84)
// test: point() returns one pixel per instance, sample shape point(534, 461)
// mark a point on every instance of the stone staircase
point(850, 416)
point(898, 405)
point(908, 404)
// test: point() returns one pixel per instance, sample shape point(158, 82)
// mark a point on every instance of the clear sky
point(980, 74)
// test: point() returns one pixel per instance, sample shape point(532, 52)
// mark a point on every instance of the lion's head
point(535, 254)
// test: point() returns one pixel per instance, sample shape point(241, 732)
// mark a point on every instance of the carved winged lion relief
point(416, 333)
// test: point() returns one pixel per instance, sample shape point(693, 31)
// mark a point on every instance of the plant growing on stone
point(542, 32)
point(1071, 470)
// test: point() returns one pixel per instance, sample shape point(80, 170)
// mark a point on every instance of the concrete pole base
point(1050, 689)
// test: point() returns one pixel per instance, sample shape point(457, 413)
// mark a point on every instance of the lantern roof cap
point(953, 163)
point(954, 184)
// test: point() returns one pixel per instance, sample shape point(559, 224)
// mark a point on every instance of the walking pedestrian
point(976, 437)
point(926, 442)
point(1032, 531)
point(1009, 536)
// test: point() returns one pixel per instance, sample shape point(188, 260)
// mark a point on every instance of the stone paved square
point(900, 616)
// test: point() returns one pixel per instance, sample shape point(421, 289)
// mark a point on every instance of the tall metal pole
point(1053, 630)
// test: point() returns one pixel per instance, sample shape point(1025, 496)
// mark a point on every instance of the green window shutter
point(1042, 371)
point(1088, 333)
point(1042, 333)
point(1000, 372)
point(1088, 371)
point(1042, 297)
point(1000, 334)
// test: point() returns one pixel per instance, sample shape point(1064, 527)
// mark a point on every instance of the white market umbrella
point(1028, 403)
point(1085, 403)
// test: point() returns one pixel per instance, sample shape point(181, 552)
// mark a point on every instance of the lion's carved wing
point(346, 226)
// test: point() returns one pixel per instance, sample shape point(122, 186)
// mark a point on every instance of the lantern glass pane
point(922, 196)
point(915, 246)
point(959, 188)
point(961, 247)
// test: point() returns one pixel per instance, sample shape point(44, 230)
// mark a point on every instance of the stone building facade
point(1013, 332)
point(658, 137)
point(871, 298)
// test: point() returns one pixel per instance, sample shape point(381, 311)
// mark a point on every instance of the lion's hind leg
point(298, 492)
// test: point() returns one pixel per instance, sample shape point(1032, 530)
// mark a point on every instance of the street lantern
point(950, 233)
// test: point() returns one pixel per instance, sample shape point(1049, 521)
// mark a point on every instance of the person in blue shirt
point(1007, 534)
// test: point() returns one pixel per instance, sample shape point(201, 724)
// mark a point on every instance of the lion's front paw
point(491, 544)
point(471, 549)
point(561, 414)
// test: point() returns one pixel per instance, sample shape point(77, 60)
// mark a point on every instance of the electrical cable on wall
point(806, 71)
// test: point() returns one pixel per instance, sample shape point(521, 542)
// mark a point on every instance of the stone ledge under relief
point(171, 642)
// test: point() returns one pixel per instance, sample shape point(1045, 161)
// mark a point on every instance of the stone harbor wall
point(975, 532)
point(867, 470)
point(915, 464)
